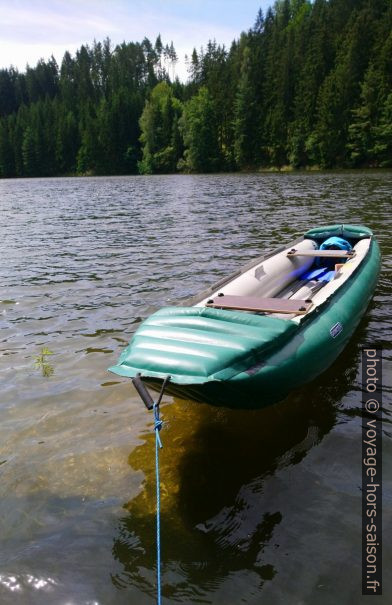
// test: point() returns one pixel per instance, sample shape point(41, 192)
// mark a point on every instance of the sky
point(35, 29)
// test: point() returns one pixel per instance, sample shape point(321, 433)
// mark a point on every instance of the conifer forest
point(309, 85)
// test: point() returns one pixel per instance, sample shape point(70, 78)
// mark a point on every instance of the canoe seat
point(255, 303)
point(319, 253)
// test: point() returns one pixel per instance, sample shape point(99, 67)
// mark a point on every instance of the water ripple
point(250, 500)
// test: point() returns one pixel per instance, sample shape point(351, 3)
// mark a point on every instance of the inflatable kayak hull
point(243, 359)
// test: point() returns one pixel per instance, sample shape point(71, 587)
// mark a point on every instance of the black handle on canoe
point(142, 390)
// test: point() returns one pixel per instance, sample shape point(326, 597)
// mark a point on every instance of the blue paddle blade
point(315, 273)
point(327, 276)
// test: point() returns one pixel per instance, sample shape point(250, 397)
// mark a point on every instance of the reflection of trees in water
point(214, 465)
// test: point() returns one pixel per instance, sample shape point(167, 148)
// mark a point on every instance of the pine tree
point(244, 115)
point(382, 149)
point(29, 153)
point(7, 163)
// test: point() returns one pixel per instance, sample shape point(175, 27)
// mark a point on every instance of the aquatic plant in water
point(42, 363)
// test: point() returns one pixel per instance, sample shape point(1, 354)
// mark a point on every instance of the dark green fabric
point(198, 344)
point(355, 232)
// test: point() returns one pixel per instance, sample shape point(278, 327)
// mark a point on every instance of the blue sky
point(31, 29)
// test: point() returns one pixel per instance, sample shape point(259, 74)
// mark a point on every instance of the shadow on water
point(214, 465)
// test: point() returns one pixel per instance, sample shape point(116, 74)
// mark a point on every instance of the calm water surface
point(260, 507)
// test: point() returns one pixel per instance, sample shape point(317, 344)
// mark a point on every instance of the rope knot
point(157, 424)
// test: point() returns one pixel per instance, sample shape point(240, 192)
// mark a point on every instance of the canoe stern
point(195, 345)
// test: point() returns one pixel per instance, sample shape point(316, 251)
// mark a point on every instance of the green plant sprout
point(41, 362)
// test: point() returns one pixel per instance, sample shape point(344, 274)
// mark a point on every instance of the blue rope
point(158, 444)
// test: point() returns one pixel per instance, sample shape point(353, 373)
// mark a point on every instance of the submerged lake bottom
point(258, 506)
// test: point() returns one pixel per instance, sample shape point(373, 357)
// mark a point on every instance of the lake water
point(258, 507)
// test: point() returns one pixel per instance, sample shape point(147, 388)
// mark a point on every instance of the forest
point(309, 85)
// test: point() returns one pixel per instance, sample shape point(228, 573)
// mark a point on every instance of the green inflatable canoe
point(270, 327)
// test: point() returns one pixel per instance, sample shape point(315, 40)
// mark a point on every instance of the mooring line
point(158, 445)
point(150, 405)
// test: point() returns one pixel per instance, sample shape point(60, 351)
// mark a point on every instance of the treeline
point(310, 84)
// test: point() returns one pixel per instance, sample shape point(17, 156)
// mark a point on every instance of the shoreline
point(256, 170)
